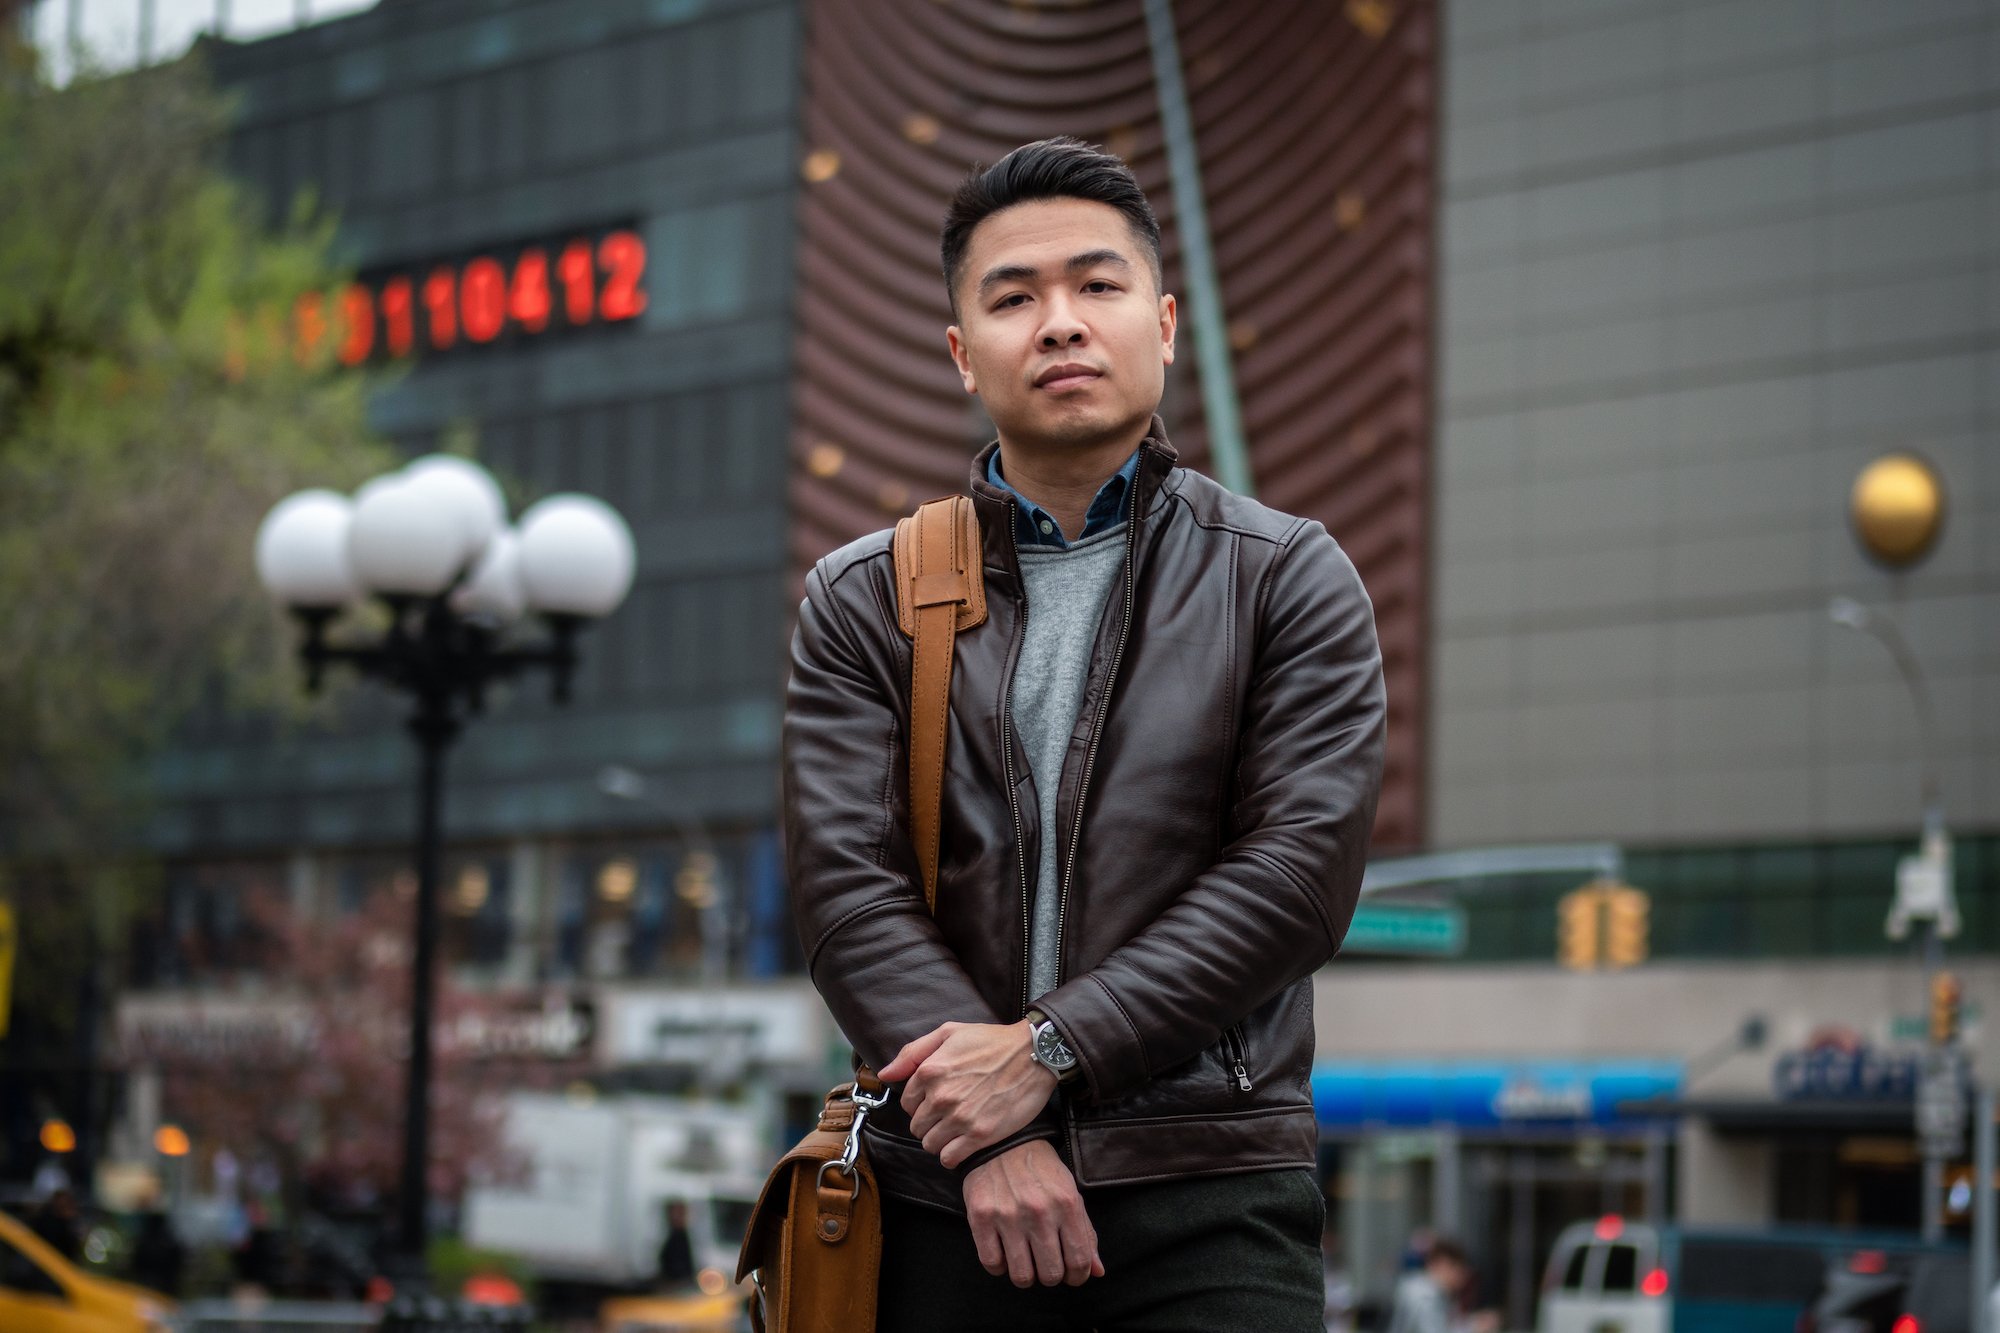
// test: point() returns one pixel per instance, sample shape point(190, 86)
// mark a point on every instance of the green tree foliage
point(153, 406)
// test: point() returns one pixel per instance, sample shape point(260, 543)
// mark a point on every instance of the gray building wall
point(1701, 262)
point(432, 130)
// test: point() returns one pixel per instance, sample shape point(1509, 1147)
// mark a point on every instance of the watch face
point(1051, 1049)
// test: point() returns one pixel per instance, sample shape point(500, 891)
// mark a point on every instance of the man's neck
point(1064, 482)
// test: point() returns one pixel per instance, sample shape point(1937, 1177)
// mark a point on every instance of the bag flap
point(760, 1237)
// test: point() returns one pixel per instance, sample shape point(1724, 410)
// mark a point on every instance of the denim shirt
point(1035, 526)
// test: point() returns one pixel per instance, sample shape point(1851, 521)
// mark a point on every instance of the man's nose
point(1061, 329)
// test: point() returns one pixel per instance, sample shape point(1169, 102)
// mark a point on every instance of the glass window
point(19, 1273)
point(476, 902)
point(1621, 1270)
point(1573, 1274)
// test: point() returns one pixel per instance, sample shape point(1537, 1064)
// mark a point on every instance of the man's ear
point(956, 342)
point(1169, 323)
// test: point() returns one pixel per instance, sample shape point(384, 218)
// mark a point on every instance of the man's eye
point(1098, 285)
point(1006, 302)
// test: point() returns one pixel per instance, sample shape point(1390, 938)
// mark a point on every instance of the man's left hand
point(967, 1086)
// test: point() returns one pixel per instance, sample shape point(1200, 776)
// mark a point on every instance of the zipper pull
point(1242, 1077)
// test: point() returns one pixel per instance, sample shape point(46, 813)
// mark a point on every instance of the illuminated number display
point(500, 296)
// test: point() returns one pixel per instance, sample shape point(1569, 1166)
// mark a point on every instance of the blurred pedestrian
point(1338, 1316)
point(157, 1254)
point(59, 1223)
point(677, 1250)
point(1156, 796)
point(1427, 1299)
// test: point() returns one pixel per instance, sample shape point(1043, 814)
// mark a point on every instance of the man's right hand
point(1028, 1219)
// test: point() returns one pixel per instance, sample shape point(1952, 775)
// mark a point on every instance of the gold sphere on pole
point(1897, 508)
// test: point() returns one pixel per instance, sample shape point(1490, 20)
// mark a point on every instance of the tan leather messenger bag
point(814, 1243)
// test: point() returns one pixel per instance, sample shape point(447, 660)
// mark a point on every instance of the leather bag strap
point(940, 590)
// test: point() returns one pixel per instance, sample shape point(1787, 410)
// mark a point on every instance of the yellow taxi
point(41, 1292)
point(720, 1311)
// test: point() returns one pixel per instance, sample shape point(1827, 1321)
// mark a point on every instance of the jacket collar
point(995, 505)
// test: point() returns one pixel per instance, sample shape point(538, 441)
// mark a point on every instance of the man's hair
point(1058, 168)
point(1444, 1247)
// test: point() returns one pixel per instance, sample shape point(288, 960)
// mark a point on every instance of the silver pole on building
point(1983, 1153)
point(1219, 403)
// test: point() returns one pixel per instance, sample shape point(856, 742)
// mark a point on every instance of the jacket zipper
point(1007, 768)
point(1237, 1052)
point(1103, 705)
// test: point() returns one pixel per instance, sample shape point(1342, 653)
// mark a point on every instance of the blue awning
point(1486, 1095)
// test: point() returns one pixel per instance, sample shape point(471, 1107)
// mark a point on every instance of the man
point(1165, 747)
point(1427, 1299)
point(676, 1259)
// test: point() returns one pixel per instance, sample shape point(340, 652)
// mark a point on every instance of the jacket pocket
point(1236, 1056)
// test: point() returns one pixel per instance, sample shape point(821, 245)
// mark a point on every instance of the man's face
point(1062, 330)
point(1449, 1274)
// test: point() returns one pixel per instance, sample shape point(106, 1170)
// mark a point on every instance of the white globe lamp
point(494, 592)
point(576, 556)
point(302, 551)
point(403, 542)
point(467, 491)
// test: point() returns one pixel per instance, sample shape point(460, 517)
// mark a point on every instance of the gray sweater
point(1066, 591)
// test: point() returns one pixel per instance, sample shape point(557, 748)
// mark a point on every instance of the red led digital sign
point(500, 296)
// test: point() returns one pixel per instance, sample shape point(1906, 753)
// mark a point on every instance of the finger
point(955, 1147)
point(1020, 1256)
point(912, 1055)
point(986, 1239)
point(1048, 1251)
point(1079, 1241)
point(1077, 1260)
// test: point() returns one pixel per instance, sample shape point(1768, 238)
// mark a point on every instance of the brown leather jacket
point(1216, 806)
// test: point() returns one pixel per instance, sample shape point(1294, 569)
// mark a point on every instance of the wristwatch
point(1047, 1048)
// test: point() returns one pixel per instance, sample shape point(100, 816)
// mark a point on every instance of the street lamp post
point(431, 544)
point(1924, 896)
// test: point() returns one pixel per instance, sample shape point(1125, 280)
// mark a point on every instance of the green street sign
point(1429, 932)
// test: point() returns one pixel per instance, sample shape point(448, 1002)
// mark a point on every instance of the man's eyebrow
point(1093, 258)
point(1008, 273)
point(1089, 259)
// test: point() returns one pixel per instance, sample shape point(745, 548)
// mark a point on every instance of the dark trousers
point(1209, 1255)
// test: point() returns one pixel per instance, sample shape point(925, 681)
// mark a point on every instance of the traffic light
point(1627, 917)
point(1603, 924)
point(1579, 919)
point(1947, 998)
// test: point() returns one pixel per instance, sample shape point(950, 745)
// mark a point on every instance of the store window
point(212, 926)
point(665, 909)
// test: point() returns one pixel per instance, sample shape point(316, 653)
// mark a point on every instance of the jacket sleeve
point(870, 944)
point(1278, 903)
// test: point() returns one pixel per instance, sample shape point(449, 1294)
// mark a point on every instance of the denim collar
point(1035, 526)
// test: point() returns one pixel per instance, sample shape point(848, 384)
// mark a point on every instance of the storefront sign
point(718, 1029)
point(1486, 1096)
point(1836, 1064)
point(172, 1029)
point(559, 1028)
point(1431, 932)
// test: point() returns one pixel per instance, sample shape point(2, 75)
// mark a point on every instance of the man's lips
point(1066, 376)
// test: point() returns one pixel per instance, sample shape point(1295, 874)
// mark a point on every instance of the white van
point(1614, 1276)
point(1607, 1276)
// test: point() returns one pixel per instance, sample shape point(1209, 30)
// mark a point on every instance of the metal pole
point(434, 727)
point(1983, 1146)
point(1211, 330)
point(1932, 949)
